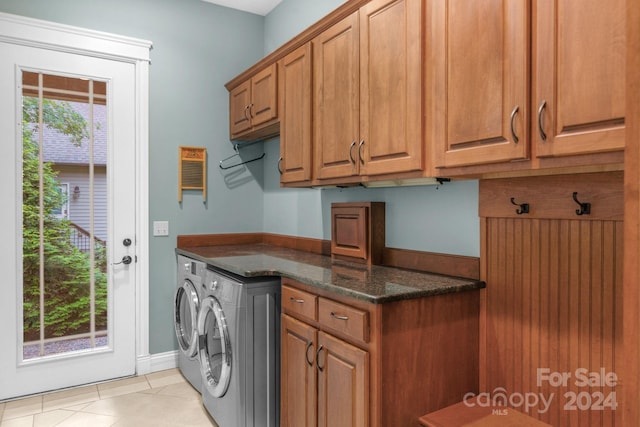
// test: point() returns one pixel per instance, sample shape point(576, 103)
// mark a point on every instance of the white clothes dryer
point(239, 344)
point(187, 301)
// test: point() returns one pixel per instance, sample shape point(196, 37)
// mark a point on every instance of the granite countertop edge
point(247, 270)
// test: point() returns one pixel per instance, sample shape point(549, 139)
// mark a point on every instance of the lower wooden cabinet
point(326, 380)
point(350, 363)
point(343, 383)
point(298, 395)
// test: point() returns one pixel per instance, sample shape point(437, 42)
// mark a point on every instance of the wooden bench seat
point(471, 414)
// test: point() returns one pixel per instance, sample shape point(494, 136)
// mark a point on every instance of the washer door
point(185, 318)
point(215, 347)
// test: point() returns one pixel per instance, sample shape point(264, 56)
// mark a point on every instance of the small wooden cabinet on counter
point(348, 362)
point(367, 74)
point(253, 106)
point(479, 81)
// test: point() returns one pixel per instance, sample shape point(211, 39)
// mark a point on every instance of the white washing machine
point(188, 298)
point(239, 327)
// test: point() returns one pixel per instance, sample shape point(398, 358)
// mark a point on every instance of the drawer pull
point(296, 300)
point(339, 317)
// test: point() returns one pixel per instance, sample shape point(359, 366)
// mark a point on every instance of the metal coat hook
point(523, 208)
point(237, 154)
point(585, 208)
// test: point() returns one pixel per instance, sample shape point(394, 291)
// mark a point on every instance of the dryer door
point(215, 347)
point(185, 318)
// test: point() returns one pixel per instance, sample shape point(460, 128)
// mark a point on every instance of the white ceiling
point(260, 7)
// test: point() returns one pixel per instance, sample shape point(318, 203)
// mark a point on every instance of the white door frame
point(20, 30)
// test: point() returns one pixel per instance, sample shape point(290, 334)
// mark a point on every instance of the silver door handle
point(513, 132)
point(320, 368)
point(543, 135)
point(306, 353)
point(353, 144)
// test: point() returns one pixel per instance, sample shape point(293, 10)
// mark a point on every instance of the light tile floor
point(160, 399)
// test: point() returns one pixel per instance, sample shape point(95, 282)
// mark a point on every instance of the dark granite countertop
point(375, 284)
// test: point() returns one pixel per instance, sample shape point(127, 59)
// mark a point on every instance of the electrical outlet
point(160, 228)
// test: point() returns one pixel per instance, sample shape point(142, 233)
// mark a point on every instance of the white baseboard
point(156, 362)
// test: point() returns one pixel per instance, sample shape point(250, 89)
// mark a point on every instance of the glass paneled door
point(68, 299)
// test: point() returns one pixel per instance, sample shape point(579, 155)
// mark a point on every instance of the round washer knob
point(186, 266)
point(214, 285)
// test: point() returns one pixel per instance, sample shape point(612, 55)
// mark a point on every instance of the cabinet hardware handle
point(246, 109)
point(523, 208)
point(296, 300)
point(306, 353)
point(339, 317)
point(250, 107)
point(353, 144)
point(360, 151)
point(513, 132)
point(585, 208)
point(279, 168)
point(543, 135)
point(320, 368)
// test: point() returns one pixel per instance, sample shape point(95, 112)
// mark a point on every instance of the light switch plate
point(160, 228)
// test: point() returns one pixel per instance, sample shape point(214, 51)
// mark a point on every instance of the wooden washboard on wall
point(554, 289)
point(192, 170)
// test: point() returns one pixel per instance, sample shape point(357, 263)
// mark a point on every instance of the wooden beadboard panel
point(553, 300)
point(630, 358)
point(551, 196)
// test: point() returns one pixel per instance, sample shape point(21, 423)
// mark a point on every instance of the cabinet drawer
point(299, 302)
point(343, 318)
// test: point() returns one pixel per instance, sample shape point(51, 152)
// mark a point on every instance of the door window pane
point(65, 301)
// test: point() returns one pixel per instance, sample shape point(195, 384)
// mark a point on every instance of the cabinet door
point(295, 111)
point(478, 80)
point(336, 99)
point(239, 101)
point(391, 87)
point(579, 86)
point(264, 96)
point(298, 384)
point(343, 384)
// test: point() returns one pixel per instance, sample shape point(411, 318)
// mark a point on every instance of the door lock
point(126, 260)
point(126, 242)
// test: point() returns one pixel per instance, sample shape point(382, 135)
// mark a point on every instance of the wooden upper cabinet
point(579, 76)
point(336, 99)
point(477, 81)
point(391, 87)
point(253, 106)
point(295, 112)
point(368, 92)
point(239, 101)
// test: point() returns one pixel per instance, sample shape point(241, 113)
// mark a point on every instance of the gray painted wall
point(197, 47)
point(420, 218)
